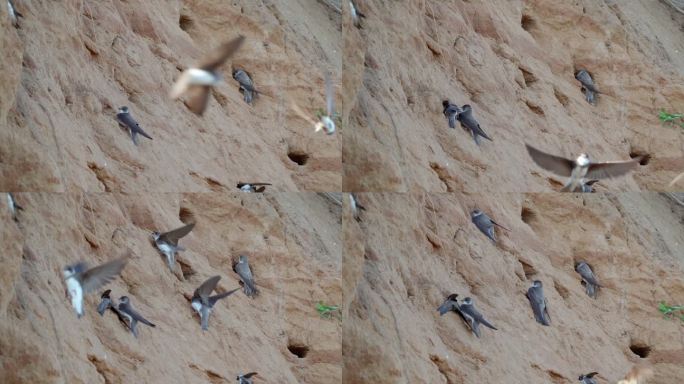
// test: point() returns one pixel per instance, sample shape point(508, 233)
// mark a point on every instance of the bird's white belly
point(201, 77)
point(197, 307)
point(76, 294)
point(167, 249)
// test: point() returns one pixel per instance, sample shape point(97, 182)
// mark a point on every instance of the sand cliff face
point(292, 241)
point(90, 194)
point(70, 66)
point(401, 264)
point(513, 62)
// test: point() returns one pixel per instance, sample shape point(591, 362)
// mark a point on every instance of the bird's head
point(537, 283)
point(123, 109)
point(445, 103)
point(467, 301)
point(453, 297)
point(155, 235)
point(123, 299)
point(583, 160)
point(475, 213)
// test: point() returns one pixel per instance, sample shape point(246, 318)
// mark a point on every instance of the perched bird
point(105, 302)
point(13, 14)
point(326, 121)
point(253, 187)
point(588, 378)
point(485, 224)
point(538, 302)
point(203, 304)
point(126, 311)
point(167, 242)
point(81, 281)
point(13, 206)
point(472, 317)
point(451, 112)
point(241, 267)
point(355, 15)
point(246, 85)
point(588, 278)
point(197, 81)
point(588, 86)
point(355, 207)
point(581, 169)
point(246, 378)
point(126, 120)
point(469, 123)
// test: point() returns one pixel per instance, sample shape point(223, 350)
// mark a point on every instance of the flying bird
point(167, 242)
point(538, 302)
point(241, 267)
point(485, 224)
point(326, 121)
point(252, 187)
point(197, 81)
point(203, 304)
point(125, 119)
point(469, 123)
point(246, 378)
point(80, 280)
point(588, 278)
point(126, 311)
point(13, 207)
point(582, 168)
point(588, 378)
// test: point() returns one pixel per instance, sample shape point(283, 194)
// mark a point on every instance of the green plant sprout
point(328, 311)
point(669, 310)
point(671, 118)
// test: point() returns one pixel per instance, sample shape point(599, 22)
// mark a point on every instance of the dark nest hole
point(185, 22)
point(298, 350)
point(186, 216)
point(527, 215)
point(646, 158)
point(298, 156)
point(527, 22)
point(640, 349)
point(528, 269)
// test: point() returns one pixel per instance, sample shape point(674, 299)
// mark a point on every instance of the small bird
point(203, 303)
point(538, 302)
point(355, 207)
point(485, 224)
point(451, 112)
point(246, 378)
point(356, 15)
point(197, 81)
point(253, 187)
point(167, 242)
point(581, 169)
point(451, 304)
point(588, 378)
point(13, 207)
point(80, 280)
point(241, 267)
point(125, 119)
point(588, 86)
point(326, 121)
point(469, 123)
point(588, 278)
point(126, 310)
point(13, 14)
point(246, 85)
point(105, 302)
point(472, 317)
